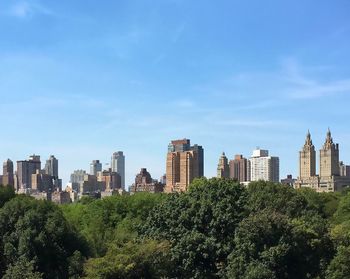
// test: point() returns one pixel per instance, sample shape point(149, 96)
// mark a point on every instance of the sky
point(85, 78)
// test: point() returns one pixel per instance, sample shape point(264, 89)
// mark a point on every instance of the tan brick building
point(223, 170)
point(184, 163)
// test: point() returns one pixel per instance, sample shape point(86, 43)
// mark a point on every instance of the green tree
point(269, 244)
point(131, 260)
point(6, 193)
point(103, 221)
point(339, 268)
point(325, 204)
point(343, 211)
point(22, 269)
point(200, 226)
point(37, 232)
point(277, 197)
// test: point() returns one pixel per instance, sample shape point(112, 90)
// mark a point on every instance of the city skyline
point(213, 168)
point(83, 80)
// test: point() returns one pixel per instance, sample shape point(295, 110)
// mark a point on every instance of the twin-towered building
point(332, 175)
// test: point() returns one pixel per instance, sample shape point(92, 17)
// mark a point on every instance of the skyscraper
point(239, 169)
point(307, 159)
point(51, 167)
point(223, 170)
point(8, 176)
point(184, 163)
point(329, 158)
point(95, 167)
point(263, 166)
point(118, 165)
point(25, 169)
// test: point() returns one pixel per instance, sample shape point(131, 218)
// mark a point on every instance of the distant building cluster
point(99, 182)
point(184, 163)
point(29, 178)
point(260, 166)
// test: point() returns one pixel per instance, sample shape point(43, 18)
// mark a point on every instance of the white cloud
point(25, 9)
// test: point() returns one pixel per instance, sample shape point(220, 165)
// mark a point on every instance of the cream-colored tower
point(329, 158)
point(307, 159)
point(223, 170)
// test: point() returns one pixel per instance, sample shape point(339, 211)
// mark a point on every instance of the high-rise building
point(329, 158)
point(8, 175)
point(307, 159)
point(118, 165)
point(51, 167)
point(223, 170)
point(76, 179)
point(95, 167)
point(331, 176)
point(25, 169)
point(77, 176)
point(110, 180)
point(263, 166)
point(42, 182)
point(184, 163)
point(239, 169)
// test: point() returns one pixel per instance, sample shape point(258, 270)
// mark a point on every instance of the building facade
point(8, 174)
point(331, 177)
point(145, 183)
point(25, 169)
point(263, 166)
point(118, 165)
point(51, 167)
point(184, 163)
point(110, 180)
point(307, 159)
point(95, 167)
point(223, 170)
point(239, 169)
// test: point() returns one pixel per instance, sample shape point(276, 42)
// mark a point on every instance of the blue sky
point(81, 79)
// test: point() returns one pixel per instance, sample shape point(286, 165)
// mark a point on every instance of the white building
point(263, 166)
point(118, 165)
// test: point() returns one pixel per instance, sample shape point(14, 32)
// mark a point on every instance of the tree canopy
point(218, 229)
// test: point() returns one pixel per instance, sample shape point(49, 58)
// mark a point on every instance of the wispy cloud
point(25, 9)
point(253, 123)
point(302, 86)
point(293, 81)
point(178, 32)
point(184, 104)
point(319, 90)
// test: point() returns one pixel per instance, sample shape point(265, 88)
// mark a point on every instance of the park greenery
point(218, 229)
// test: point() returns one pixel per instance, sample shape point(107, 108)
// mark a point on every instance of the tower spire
point(308, 140)
point(329, 139)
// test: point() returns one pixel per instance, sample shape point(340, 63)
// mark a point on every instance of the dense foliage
point(218, 229)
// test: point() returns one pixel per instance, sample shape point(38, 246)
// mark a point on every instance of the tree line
point(218, 229)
